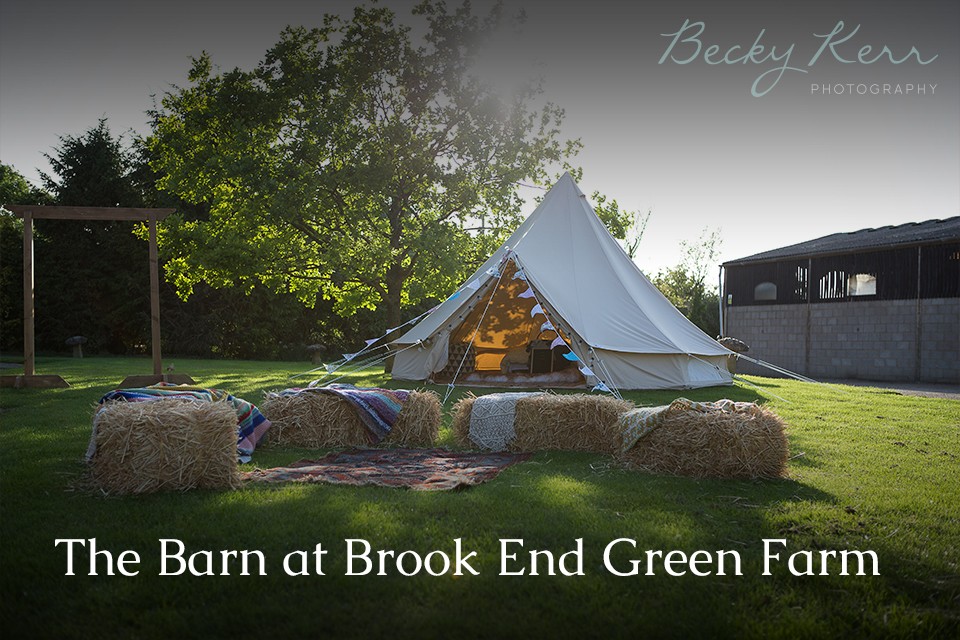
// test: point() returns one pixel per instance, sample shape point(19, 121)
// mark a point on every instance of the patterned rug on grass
point(418, 469)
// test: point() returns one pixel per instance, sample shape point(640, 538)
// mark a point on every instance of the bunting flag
point(454, 296)
point(330, 367)
point(558, 341)
point(492, 272)
point(602, 387)
point(474, 285)
point(587, 371)
point(547, 326)
point(371, 341)
point(520, 275)
point(536, 310)
point(349, 356)
point(526, 294)
point(571, 356)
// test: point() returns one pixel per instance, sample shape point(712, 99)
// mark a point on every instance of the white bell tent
point(560, 304)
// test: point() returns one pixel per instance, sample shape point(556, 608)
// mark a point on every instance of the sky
point(709, 115)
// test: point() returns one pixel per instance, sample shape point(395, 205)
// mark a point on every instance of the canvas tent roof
point(594, 289)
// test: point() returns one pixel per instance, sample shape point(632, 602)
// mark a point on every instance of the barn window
point(833, 285)
point(800, 288)
point(862, 284)
point(765, 291)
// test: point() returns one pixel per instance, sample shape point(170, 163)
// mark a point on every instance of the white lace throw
point(491, 419)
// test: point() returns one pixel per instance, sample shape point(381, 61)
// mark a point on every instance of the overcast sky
point(684, 138)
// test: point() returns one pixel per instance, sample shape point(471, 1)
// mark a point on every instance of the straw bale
point(418, 424)
point(577, 422)
point(574, 422)
point(313, 421)
point(714, 444)
point(168, 444)
point(461, 419)
point(323, 420)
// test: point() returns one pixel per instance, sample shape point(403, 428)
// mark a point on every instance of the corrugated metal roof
point(912, 233)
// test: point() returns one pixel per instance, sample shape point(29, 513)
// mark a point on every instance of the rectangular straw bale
point(316, 420)
point(313, 421)
point(715, 445)
point(418, 424)
point(461, 420)
point(168, 444)
point(578, 422)
point(574, 422)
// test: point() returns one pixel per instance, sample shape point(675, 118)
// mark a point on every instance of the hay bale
point(418, 424)
point(322, 420)
point(574, 422)
point(168, 444)
point(714, 444)
point(461, 420)
point(313, 421)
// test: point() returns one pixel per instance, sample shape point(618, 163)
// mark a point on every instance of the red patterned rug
point(418, 469)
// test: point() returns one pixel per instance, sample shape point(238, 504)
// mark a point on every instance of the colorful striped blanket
point(251, 424)
point(378, 408)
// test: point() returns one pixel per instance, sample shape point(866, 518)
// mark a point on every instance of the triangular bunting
point(547, 326)
point(558, 341)
point(492, 271)
point(536, 310)
point(520, 275)
point(602, 387)
point(349, 356)
point(526, 294)
point(587, 371)
point(571, 356)
point(371, 341)
point(474, 285)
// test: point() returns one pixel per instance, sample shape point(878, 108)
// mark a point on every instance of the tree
point(351, 161)
point(685, 285)
point(92, 276)
point(14, 189)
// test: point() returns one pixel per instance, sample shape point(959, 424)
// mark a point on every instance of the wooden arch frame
point(29, 213)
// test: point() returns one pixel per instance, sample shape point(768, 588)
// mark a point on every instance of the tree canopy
point(352, 162)
point(92, 275)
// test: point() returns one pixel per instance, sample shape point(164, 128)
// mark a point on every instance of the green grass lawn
point(870, 470)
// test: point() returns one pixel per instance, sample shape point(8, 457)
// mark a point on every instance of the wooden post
point(29, 364)
point(807, 331)
point(155, 298)
point(918, 335)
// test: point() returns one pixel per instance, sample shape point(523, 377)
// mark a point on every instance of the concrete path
point(926, 390)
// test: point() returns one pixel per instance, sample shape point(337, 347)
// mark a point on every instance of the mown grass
point(871, 470)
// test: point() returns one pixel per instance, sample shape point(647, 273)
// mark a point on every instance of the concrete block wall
point(940, 340)
point(860, 339)
point(866, 340)
point(774, 333)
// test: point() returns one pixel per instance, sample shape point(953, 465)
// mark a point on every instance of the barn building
point(876, 304)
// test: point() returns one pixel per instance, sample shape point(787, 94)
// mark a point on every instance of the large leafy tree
point(352, 162)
